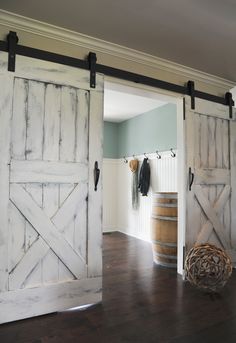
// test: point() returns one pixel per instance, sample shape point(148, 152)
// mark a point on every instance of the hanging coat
point(144, 177)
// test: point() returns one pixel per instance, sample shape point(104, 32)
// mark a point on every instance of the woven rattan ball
point(208, 267)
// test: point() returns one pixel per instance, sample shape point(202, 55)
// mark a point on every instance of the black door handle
point(96, 174)
point(190, 178)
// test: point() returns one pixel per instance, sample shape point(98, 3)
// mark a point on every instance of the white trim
point(181, 176)
point(15, 21)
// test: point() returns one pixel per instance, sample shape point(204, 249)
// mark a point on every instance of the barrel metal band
point(174, 219)
point(165, 196)
point(173, 245)
point(172, 257)
point(162, 204)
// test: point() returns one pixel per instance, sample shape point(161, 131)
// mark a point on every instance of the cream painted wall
point(116, 58)
point(117, 206)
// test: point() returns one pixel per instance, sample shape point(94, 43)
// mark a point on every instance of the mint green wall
point(147, 132)
point(110, 140)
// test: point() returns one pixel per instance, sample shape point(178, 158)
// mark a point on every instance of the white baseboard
point(132, 235)
point(109, 229)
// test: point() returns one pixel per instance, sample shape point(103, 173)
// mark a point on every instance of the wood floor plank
point(142, 302)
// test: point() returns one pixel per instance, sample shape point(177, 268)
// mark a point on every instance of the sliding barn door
point(50, 230)
point(211, 173)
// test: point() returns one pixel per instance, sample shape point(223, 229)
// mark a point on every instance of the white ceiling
point(120, 106)
point(196, 33)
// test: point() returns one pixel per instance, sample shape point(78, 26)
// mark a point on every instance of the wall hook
point(172, 153)
point(158, 155)
point(145, 155)
point(125, 160)
point(133, 156)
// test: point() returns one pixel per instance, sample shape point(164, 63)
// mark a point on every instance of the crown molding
point(15, 21)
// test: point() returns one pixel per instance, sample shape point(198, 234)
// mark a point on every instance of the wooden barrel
point(164, 229)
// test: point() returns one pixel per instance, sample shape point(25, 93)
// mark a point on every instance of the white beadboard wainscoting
point(118, 214)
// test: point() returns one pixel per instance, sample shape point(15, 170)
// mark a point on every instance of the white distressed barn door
point(211, 172)
point(50, 230)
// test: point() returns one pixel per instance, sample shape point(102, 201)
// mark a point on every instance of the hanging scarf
point(133, 164)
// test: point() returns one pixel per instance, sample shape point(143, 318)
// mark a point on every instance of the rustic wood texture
point(48, 299)
point(142, 303)
point(233, 179)
point(209, 207)
point(48, 172)
point(49, 158)
point(95, 198)
point(47, 142)
point(164, 229)
point(5, 139)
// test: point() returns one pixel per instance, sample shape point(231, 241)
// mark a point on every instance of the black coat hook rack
point(173, 154)
point(158, 155)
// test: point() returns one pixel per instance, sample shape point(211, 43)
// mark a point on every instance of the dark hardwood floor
point(141, 303)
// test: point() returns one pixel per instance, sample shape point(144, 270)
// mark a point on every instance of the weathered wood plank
point(209, 108)
point(212, 188)
point(204, 151)
point(197, 141)
point(54, 73)
point(212, 176)
point(5, 136)
point(95, 198)
point(211, 214)
point(211, 142)
point(32, 302)
point(232, 135)
point(219, 157)
point(69, 106)
point(34, 254)
point(35, 118)
point(82, 123)
point(48, 172)
point(71, 207)
point(196, 151)
point(68, 124)
point(17, 223)
point(204, 148)
point(20, 106)
point(81, 155)
point(226, 164)
point(207, 228)
point(219, 144)
point(47, 230)
point(52, 123)
point(50, 263)
point(34, 151)
point(31, 235)
point(81, 223)
point(39, 249)
point(192, 213)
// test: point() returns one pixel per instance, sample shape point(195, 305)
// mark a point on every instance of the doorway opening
point(141, 124)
